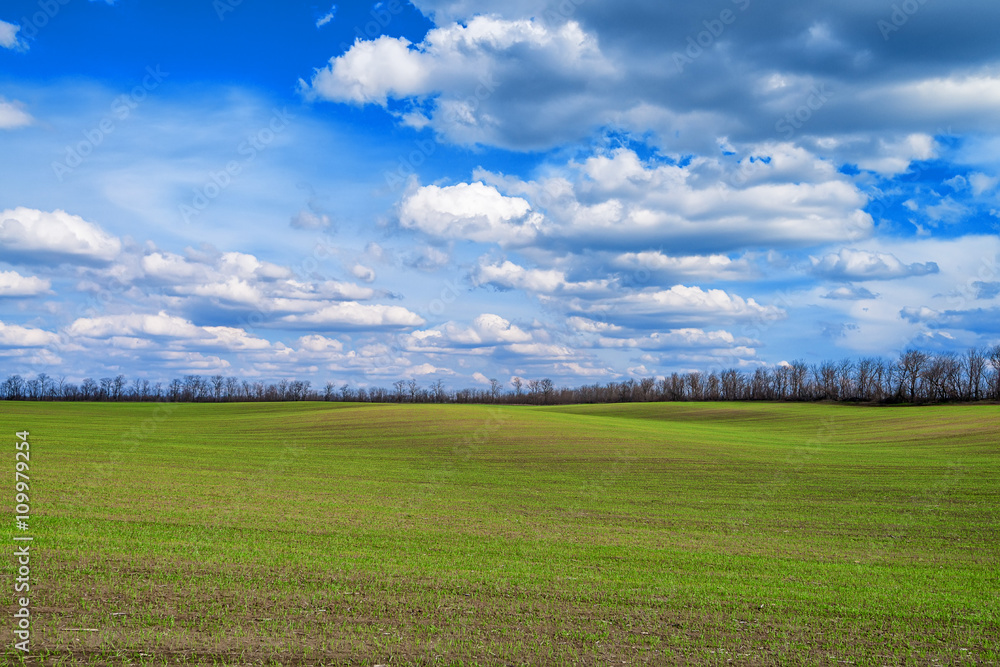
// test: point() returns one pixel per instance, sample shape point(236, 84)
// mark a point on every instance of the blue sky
point(465, 189)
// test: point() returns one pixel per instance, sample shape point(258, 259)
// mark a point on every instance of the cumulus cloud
point(894, 157)
point(618, 201)
point(682, 339)
point(486, 330)
point(13, 115)
point(320, 344)
point(471, 211)
point(851, 265)
point(29, 234)
point(373, 71)
point(363, 273)
point(169, 327)
point(679, 305)
point(9, 38)
point(471, 74)
point(352, 315)
point(918, 314)
point(982, 183)
point(327, 17)
point(308, 219)
point(692, 267)
point(13, 284)
point(427, 258)
point(978, 320)
point(585, 325)
point(546, 351)
point(241, 281)
point(13, 336)
point(508, 275)
point(527, 75)
point(850, 293)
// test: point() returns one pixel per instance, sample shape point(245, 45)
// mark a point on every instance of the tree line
point(914, 377)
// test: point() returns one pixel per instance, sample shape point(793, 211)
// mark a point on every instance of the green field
point(362, 534)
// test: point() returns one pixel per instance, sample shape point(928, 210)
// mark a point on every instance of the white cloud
point(679, 304)
point(320, 344)
point(486, 330)
point(160, 324)
point(682, 338)
point(508, 275)
point(307, 219)
point(850, 293)
point(373, 71)
point(894, 157)
point(13, 115)
point(168, 327)
point(422, 370)
point(471, 211)
point(172, 267)
point(59, 236)
point(245, 265)
point(362, 272)
point(13, 283)
point(982, 183)
point(241, 280)
point(919, 314)
point(617, 201)
point(849, 264)
point(542, 350)
point(427, 258)
point(233, 290)
point(946, 210)
point(703, 267)
point(486, 334)
point(585, 325)
point(353, 315)
point(461, 68)
point(15, 336)
point(9, 38)
point(327, 18)
point(954, 96)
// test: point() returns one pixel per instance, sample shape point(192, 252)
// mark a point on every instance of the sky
point(460, 190)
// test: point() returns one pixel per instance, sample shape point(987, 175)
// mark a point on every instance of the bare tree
point(400, 387)
point(218, 381)
point(232, 388)
point(518, 383)
point(995, 364)
point(546, 388)
point(974, 365)
point(438, 392)
point(911, 363)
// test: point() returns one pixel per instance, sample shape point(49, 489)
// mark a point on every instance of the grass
point(356, 534)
